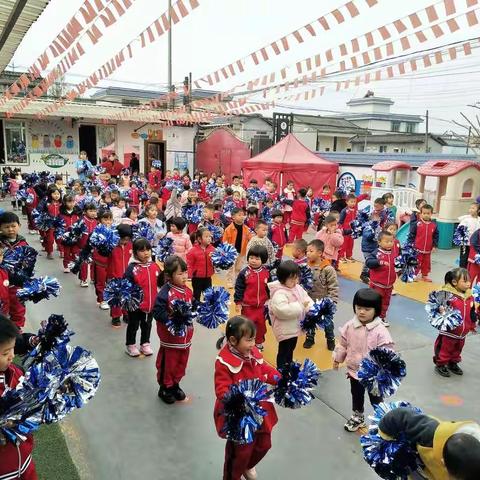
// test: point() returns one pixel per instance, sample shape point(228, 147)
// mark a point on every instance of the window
point(105, 140)
point(349, 149)
point(395, 126)
point(15, 144)
point(410, 127)
point(327, 149)
point(382, 148)
point(396, 150)
point(128, 102)
point(467, 188)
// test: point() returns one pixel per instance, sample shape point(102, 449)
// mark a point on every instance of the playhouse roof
point(389, 165)
point(439, 168)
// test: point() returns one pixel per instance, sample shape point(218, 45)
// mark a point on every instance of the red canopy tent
point(291, 160)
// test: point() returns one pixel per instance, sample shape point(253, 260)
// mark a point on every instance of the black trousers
point(199, 286)
point(464, 252)
point(139, 319)
point(358, 396)
point(329, 333)
point(285, 351)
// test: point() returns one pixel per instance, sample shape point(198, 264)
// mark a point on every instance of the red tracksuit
point(172, 358)
point(15, 460)
point(251, 222)
point(165, 195)
point(278, 234)
point(382, 275)
point(134, 197)
point(251, 293)
point(449, 345)
point(116, 268)
point(53, 209)
point(91, 223)
point(30, 207)
point(425, 237)
point(200, 268)
point(99, 273)
point(300, 216)
point(472, 267)
point(202, 193)
point(239, 203)
point(397, 248)
point(17, 309)
point(230, 368)
point(69, 251)
point(155, 180)
point(346, 217)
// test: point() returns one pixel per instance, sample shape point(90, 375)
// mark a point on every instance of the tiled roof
point(391, 165)
point(444, 168)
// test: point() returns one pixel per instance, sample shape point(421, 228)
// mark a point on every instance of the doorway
point(88, 141)
point(154, 151)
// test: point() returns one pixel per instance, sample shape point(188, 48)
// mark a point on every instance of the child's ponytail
point(237, 327)
point(455, 274)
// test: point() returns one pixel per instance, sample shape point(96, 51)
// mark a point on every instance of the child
point(381, 263)
point(69, 214)
point(338, 202)
point(118, 210)
point(16, 459)
point(181, 240)
point(300, 216)
point(158, 227)
point(393, 229)
point(449, 344)
point(53, 209)
point(347, 215)
point(326, 193)
point(131, 216)
point(325, 284)
point(155, 178)
point(90, 220)
point(31, 205)
point(252, 217)
point(240, 360)
point(133, 195)
point(199, 262)
point(172, 358)
point(472, 223)
point(238, 235)
point(261, 238)
point(237, 200)
point(424, 236)
point(332, 238)
point(299, 252)
point(473, 266)
point(358, 336)
point(278, 233)
point(288, 306)
point(237, 186)
point(4, 289)
point(251, 292)
point(289, 192)
point(173, 208)
point(118, 263)
point(146, 274)
point(389, 206)
point(100, 263)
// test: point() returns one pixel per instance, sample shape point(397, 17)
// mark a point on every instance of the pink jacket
point(181, 244)
point(287, 309)
point(357, 340)
point(332, 241)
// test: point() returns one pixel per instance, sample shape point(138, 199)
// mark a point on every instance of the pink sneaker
point(146, 349)
point(132, 351)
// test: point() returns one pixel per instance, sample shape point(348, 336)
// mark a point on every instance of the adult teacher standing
point(113, 166)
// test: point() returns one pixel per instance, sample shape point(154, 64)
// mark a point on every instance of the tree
point(472, 128)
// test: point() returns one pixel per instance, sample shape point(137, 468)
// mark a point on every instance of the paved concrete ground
point(126, 432)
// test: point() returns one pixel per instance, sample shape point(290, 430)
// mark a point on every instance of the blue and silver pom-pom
point(143, 230)
point(121, 292)
point(406, 263)
point(195, 185)
point(85, 256)
point(228, 207)
point(157, 164)
point(242, 410)
point(441, 314)
point(104, 239)
point(306, 277)
point(174, 185)
point(211, 189)
point(371, 230)
point(381, 372)
point(164, 249)
point(20, 263)
point(476, 259)
point(320, 205)
point(180, 318)
point(391, 459)
point(193, 213)
point(73, 235)
point(294, 389)
point(461, 236)
point(38, 289)
point(59, 227)
point(357, 228)
point(476, 293)
point(224, 256)
point(255, 195)
point(214, 309)
point(21, 195)
point(216, 232)
point(284, 200)
point(319, 316)
point(43, 220)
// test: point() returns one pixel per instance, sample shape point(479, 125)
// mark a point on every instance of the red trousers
point(69, 254)
point(31, 223)
point(84, 272)
point(17, 308)
point(424, 263)
point(474, 272)
point(49, 240)
point(295, 233)
point(100, 277)
point(279, 254)
point(239, 458)
point(386, 294)
point(448, 350)
point(257, 316)
point(287, 216)
point(171, 365)
point(346, 250)
point(29, 473)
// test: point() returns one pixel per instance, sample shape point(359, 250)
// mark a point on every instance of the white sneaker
point(250, 474)
point(66, 270)
point(104, 306)
point(83, 283)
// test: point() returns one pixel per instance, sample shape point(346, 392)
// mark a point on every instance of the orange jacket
point(230, 235)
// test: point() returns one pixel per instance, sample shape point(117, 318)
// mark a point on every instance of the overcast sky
point(221, 31)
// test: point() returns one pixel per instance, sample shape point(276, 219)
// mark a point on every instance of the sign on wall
point(347, 182)
point(50, 137)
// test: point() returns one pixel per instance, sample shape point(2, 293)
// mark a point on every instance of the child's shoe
point(50, 256)
point(166, 395)
point(178, 393)
point(309, 342)
point(356, 421)
point(132, 351)
point(331, 344)
point(145, 348)
point(454, 368)
point(442, 370)
point(104, 306)
point(83, 283)
point(116, 322)
point(250, 474)
point(66, 270)
point(427, 279)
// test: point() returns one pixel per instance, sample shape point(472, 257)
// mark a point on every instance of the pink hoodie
point(357, 339)
point(332, 241)
point(181, 243)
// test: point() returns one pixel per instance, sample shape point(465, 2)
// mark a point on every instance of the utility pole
point(426, 131)
point(468, 140)
point(171, 102)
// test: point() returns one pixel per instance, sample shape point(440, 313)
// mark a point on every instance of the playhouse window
point(467, 188)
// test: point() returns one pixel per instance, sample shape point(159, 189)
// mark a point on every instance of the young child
point(472, 222)
point(100, 263)
point(237, 186)
point(389, 206)
point(289, 192)
point(90, 220)
point(449, 344)
point(155, 178)
point(117, 265)
point(53, 209)
point(325, 284)
point(252, 217)
point(172, 358)
point(181, 240)
point(15, 458)
point(238, 235)
point(278, 233)
point(299, 252)
point(131, 216)
point(158, 227)
point(288, 306)
point(358, 336)
point(326, 193)
point(237, 200)
point(118, 210)
point(146, 274)
point(261, 238)
point(338, 202)
point(300, 216)
point(424, 236)
point(199, 262)
point(69, 214)
point(473, 266)
point(240, 360)
point(251, 291)
point(381, 264)
point(347, 215)
point(332, 238)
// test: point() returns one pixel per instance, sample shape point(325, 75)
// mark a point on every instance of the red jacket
point(69, 219)
point(466, 306)
point(163, 308)
point(155, 180)
point(54, 208)
point(382, 268)
point(239, 203)
point(134, 196)
point(4, 292)
point(34, 204)
point(91, 223)
point(397, 248)
point(119, 260)
point(113, 168)
point(18, 242)
point(146, 276)
point(251, 223)
point(199, 261)
point(300, 212)
point(278, 235)
point(251, 287)
point(424, 235)
point(347, 215)
point(165, 195)
point(14, 458)
point(231, 368)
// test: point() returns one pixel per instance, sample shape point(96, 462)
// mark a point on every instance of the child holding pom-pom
point(200, 266)
point(471, 222)
point(53, 209)
point(174, 350)
point(69, 214)
point(90, 220)
point(358, 336)
point(181, 240)
point(239, 360)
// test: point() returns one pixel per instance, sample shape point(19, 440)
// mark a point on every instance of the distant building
point(394, 143)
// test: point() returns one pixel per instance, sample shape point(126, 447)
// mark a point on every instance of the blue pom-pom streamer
point(242, 410)
point(22, 195)
point(193, 213)
point(447, 320)
point(294, 389)
point(306, 277)
point(371, 230)
point(164, 249)
point(180, 318)
point(38, 289)
point(255, 195)
point(43, 220)
point(104, 239)
point(381, 372)
point(224, 256)
point(476, 259)
point(461, 236)
point(121, 292)
point(157, 164)
point(73, 235)
point(214, 309)
point(319, 316)
point(143, 230)
point(406, 264)
point(59, 227)
point(85, 256)
point(391, 459)
point(216, 232)
point(144, 197)
point(320, 205)
point(211, 189)
point(20, 263)
point(195, 185)
point(476, 293)
point(174, 185)
point(228, 207)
